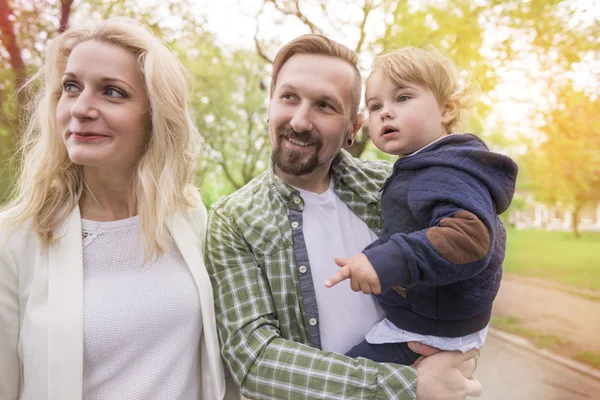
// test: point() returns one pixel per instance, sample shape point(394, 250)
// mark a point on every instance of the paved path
point(508, 372)
point(551, 311)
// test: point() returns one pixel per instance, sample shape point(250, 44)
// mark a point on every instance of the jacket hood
point(470, 154)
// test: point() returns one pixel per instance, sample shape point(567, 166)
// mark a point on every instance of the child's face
point(402, 119)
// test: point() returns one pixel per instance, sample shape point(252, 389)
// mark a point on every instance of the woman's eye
point(114, 92)
point(69, 87)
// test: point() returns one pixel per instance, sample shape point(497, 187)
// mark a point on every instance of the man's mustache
point(306, 136)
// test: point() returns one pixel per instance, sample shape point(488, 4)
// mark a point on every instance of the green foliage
point(230, 86)
point(566, 166)
point(453, 27)
point(229, 101)
point(555, 256)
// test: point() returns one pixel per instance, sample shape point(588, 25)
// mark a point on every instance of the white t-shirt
point(331, 229)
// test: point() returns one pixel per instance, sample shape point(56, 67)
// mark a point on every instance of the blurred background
point(537, 64)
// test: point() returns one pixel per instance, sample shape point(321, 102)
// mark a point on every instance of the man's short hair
point(321, 45)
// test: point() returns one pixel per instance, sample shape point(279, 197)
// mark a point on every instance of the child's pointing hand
point(361, 273)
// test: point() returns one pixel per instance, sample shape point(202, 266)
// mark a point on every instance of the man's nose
point(301, 119)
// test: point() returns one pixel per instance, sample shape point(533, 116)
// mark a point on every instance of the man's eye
point(289, 96)
point(325, 105)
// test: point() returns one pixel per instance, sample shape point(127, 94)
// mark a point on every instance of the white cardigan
point(41, 310)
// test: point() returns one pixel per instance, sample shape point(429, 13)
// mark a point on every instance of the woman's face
point(102, 114)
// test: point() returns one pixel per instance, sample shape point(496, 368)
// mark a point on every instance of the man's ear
point(450, 111)
point(356, 125)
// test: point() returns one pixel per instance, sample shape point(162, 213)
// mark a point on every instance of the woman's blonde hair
point(427, 67)
point(50, 186)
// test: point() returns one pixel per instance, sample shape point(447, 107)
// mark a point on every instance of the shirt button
point(312, 321)
point(294, 224)
point(297, 200)
point(302, 269)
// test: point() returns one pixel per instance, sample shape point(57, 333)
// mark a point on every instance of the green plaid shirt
point(265, 301)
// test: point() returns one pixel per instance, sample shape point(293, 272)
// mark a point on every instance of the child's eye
point(375, 107)
point(403, 98)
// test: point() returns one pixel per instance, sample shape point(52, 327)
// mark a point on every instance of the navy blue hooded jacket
point(439, 257)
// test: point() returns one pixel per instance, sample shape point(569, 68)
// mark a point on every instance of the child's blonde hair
point(427, 67)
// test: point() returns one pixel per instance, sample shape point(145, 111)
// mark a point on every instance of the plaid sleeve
point(266, 365)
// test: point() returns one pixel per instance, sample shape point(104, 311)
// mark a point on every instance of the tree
point(229, 100)
point(565, 167)
point(460, 28)
point(27, 25)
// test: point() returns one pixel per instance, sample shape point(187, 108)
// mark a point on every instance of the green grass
point(539, 339)
point(556, 256)
point(543, 340)
point(589, 357)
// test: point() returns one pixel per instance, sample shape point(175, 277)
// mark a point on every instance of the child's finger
point(342, 274)
point(376, 287)
point(354, 285)
point(340, 261)
point(365, 287)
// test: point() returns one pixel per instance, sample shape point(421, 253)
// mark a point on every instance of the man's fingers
point(342, 274)
point(417, 362)
point(340, 261)
point(354, 285)
point(474, 388)
point(423, 349)
point(462, 357)
point(467, 368)
point(465, 356)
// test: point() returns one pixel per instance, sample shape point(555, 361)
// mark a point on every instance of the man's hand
point(439, 377)
point(361, 273)
point(467, 368)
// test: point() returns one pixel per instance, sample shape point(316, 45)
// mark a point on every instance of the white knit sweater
point(141, 323)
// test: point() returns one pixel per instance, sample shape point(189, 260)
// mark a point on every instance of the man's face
point(310, 113)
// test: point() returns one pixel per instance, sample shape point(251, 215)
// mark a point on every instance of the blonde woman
point(103, 289)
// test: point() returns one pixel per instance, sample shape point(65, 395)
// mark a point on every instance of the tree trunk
point(65, 14)
point(575, 221)
point(11, 44)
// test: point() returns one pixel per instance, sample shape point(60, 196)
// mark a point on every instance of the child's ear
point(450, 111)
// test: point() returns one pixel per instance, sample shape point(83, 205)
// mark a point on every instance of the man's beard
point(290, 161)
